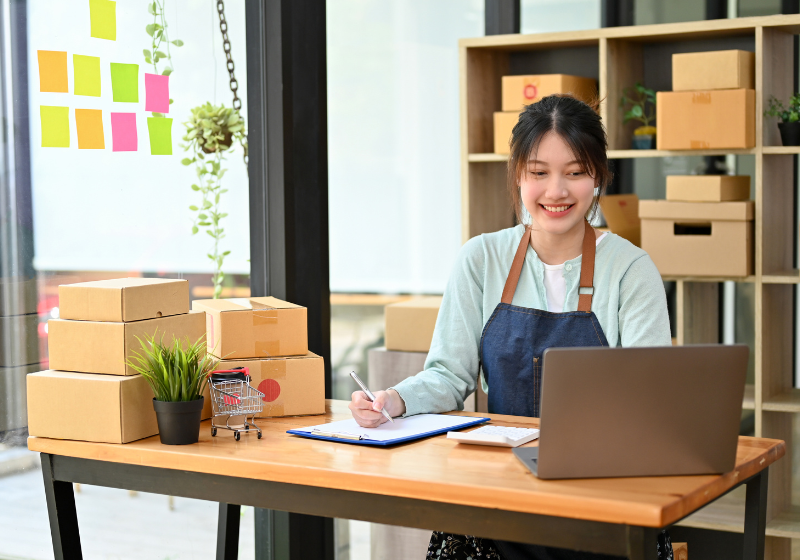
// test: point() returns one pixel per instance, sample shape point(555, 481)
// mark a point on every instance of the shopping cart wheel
point(259, 435)
point(213, 432)
point(237, 436)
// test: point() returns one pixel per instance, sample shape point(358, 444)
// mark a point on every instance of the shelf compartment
point(781, 150)
point(787, 277)
point(749, 401)
point(788, 401)
point(716, 279)
point(727, 514)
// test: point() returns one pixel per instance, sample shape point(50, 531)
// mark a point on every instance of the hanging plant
point(159, 40)
point(210, 133)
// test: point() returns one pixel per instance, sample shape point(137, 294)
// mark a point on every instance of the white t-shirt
point(555, 286)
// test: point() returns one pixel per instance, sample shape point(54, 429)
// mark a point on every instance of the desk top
point(435, 469)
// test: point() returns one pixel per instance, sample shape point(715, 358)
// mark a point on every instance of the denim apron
point(511, 349)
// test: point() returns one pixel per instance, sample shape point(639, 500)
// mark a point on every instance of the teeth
point(556, 208)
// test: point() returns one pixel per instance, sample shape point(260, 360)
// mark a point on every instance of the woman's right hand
point(368, 414)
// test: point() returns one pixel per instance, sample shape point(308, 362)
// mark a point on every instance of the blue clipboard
point(403, 429)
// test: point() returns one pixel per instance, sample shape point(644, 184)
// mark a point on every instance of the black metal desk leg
point(62, 513)
point(228, 532)
point(755, 516)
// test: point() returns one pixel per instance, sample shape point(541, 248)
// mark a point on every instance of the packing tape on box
point(265, 317)
point(267, 348)
point(701, 97)
point(699, 144)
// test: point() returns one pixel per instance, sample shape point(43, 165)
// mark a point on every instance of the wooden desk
point(429, 484)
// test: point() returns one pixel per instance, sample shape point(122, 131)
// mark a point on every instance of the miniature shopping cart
point(232, 396)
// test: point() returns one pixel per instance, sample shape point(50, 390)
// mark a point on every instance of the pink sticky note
point(123, 132)
point(157, 91)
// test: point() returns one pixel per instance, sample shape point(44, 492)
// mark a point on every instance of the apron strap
point(587, 268)
point(516, 268)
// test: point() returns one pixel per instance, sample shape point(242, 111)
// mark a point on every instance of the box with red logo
point(519, 91)
point(292, 386)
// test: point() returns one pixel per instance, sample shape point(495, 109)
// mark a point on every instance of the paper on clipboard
point(403, 428)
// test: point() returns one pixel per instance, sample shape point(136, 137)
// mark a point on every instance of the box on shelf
point(292, 386)
point(123, 299)
point(503, 125)
point(102, 347)
point(257, 327)
point(410, 323)
point(732, 69)
point(621, 212)
point(698, 238)
point(706, 120)
point(519, 91)
point(90, 407)
point(708, 188)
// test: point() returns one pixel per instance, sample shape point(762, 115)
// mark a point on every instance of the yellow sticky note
point(89, 123)
point(53, 72)
point(103, 15)
point(55, 126)
point(86, 71)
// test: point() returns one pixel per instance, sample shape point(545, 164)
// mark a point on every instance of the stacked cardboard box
point(704, 228)
point(519, 91)
point(91, 393)
point(270, 338)
point(712, 105)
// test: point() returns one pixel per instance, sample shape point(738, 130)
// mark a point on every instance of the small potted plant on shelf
point(178, 375)
point(642, 107)
point(789, 116)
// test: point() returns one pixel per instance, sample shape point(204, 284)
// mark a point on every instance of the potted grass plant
point(789, 116)
point(641, 104)
point(178, 374)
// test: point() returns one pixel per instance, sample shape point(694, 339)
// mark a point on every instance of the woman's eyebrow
point(537, 161)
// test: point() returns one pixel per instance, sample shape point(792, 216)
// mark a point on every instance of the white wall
point(128, 211)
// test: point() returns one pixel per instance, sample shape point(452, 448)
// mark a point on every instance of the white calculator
point(499, 436)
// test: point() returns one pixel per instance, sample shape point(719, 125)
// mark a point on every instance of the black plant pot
point(179, 422)
point(790, 133)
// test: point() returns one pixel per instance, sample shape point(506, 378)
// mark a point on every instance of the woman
point(516, 292)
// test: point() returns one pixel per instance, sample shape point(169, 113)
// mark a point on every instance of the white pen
point(369, 394)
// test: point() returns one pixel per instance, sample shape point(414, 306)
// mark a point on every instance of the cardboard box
point(713, 70)
point(254, 327)
point(292, 386)
point(123, 299)
point(519, 91)
point(101, 347)
point(410, 324)
point(90, 407)
point(621, 212)
point(503, 125)
point(705, 120)
point(698, 238)
point(708, 188)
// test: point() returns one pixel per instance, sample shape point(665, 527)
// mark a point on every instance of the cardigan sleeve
point(451, 368)
point(643, 317)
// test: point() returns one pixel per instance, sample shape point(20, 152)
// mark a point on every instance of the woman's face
point(555, 189)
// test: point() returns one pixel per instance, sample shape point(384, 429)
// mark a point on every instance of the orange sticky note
point(53, 72)
point(89, 123)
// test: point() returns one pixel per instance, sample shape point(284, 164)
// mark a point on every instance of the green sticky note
point(125, 82)
point(87, 75)
point(55, 126)
point(103, 16)
point(160, 130)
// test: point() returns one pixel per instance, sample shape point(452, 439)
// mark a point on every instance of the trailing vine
point(159, 35)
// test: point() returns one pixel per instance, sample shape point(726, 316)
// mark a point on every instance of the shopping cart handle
point(244, 370)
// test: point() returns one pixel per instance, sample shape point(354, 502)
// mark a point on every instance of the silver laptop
point(611, 412)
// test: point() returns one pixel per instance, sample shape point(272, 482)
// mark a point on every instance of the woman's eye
point(537, 173)
point(577, 173)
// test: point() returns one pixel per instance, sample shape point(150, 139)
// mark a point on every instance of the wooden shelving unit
point(617, 58)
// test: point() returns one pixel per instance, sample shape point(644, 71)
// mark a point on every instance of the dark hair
point(577, 123)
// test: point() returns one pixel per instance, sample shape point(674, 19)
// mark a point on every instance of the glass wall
point(93, 187)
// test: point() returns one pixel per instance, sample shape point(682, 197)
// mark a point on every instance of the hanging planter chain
point(226, 46)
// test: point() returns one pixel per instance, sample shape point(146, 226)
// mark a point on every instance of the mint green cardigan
point(629, 302)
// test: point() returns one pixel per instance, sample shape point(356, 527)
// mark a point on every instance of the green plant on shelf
point(177, 372)
point(210, 133)
point(159, 38)
point(787, 114)
point(642, 107)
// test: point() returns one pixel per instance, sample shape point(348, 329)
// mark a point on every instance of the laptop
point(618, 412)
